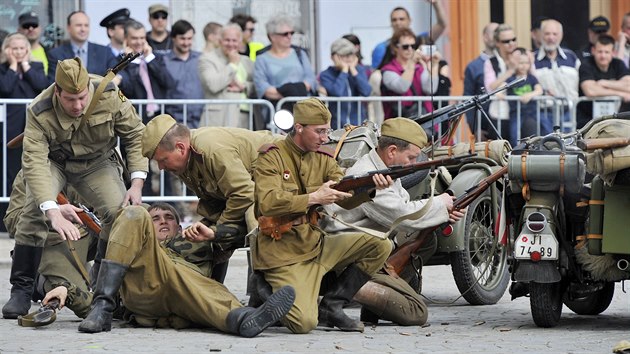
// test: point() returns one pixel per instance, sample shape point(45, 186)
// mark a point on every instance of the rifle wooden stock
point(85, 218)
point(398, 260)
point(602, 143)
point(128, 58)
point(351, 183)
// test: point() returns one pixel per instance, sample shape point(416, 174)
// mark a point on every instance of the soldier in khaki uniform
point(160, 287)
point(63, 146)
point(386, 297)
point(215, 163)
point(291, 176)
point(57, 266)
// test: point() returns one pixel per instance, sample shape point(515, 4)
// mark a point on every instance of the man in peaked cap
point(291, 176)
point(68, 142)
point(385, 297)
point(217, 164)
point(115, 24)
point(599, 25)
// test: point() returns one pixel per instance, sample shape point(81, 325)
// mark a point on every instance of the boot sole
point(275, 308)
point(93, 330)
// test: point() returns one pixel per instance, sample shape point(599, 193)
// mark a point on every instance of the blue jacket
point(100, 58)
point(340, 84)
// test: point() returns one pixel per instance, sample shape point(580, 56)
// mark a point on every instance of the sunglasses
point(286, 34)
point(406, 46)
point(507, 41)
point(29, 26)
point(159, 15)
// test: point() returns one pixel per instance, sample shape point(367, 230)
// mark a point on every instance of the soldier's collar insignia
point(121, 96)
point(286, 175)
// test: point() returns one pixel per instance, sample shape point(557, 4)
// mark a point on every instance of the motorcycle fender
point(537, 272)
point(469, 176)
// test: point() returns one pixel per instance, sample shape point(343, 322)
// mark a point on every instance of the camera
point(428, 50)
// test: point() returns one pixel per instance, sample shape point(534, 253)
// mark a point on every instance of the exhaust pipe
point(623, 264)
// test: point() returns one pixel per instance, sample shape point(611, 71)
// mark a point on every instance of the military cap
point(117, 17)
point(28, 18)
point(599, 24)
point(71, 75)
point(154, 132)
point(311, 111)
point(157, 8)
point(405, 129)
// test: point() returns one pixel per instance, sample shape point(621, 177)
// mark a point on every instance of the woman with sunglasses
point(282, 70)
point(20, 77)
point(407, 72)
point(496, 71)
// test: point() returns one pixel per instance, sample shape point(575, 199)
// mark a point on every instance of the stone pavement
point(452, 328)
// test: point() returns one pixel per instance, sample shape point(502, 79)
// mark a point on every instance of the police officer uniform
point(219, 172)
point(284, 176)
point(59, 150)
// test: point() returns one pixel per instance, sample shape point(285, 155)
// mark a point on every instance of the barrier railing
point(556, 108)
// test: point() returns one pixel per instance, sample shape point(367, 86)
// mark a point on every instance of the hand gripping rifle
point(111, 73)
point(275, 226)
point(401, 256)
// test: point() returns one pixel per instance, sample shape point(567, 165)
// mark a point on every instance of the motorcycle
point(566, 245)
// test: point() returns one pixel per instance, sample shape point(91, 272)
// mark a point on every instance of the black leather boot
point(101, 248)
point(110, 279)
point(23, 269)
point(331, 312)
point(260, 289)
point(250, 322)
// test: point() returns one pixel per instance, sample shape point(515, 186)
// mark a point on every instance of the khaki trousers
point(158, 286)
point(100, 183)
point(338, 251)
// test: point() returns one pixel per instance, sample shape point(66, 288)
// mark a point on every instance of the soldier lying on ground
point(291, 176)
point(215, 163)
point(149, 276)
point(384, 296)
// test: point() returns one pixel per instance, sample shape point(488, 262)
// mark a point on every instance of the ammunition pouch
point(275, 226)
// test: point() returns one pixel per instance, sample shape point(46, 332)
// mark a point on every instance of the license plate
point(545, 244)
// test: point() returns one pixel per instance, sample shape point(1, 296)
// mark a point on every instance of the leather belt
point(299, 221)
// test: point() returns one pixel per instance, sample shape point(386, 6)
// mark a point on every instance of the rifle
point(401, 256)
point(602, 143)
point(124, 61)
point(455, 110)
point(274, 226)
point(87, 217)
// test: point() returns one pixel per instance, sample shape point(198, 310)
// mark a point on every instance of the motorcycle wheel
point(594, 303)
point(483, 258)
point(545, 301)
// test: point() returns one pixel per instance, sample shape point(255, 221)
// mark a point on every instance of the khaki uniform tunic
point(83, 157)
point(284, 176)
point(159, 283)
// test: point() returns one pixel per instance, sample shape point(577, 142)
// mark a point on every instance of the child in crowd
point(526, 90)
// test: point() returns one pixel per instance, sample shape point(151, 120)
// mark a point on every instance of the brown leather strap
point(450, 150)
point(525, 189)
point(348, 128)
point(595, 202)
point(594, 236)
point(78, 263)
point(488, 148)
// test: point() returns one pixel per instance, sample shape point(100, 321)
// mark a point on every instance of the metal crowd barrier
point(562, 111)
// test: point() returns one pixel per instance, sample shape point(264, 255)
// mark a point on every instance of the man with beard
point(556, 69)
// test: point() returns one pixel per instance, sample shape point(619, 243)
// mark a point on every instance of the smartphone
point(428, 50)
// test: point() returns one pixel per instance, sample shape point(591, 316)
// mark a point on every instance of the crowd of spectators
point(233, 66)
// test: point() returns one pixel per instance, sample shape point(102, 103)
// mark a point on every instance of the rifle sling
point(78, 263)
point(413, 216)
point(97, 96)
point(348, 129)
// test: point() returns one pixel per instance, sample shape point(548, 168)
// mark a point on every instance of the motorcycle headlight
point(536, 222)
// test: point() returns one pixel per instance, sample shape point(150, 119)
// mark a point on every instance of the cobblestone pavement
point(454, 328)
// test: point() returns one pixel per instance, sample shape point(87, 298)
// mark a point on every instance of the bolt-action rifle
point(275, 226)
point(399, 259)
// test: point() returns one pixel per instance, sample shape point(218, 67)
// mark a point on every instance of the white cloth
point(387, 205)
